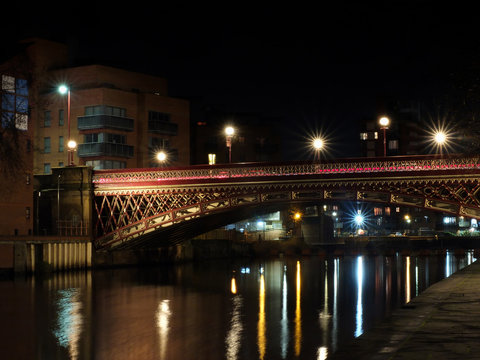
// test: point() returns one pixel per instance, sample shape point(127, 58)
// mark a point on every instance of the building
point(255, 139)
point(118, 119)
point(406, 133)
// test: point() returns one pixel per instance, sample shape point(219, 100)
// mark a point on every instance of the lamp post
point(71, 145)
point(384, 122)
point(229, 132)
point(318, 146)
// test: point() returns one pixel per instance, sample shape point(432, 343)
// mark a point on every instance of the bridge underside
point(162, 217)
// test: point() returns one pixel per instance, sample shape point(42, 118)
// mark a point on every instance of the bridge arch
point(135, 206)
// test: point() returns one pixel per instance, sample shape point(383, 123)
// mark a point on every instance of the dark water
point(277, 309)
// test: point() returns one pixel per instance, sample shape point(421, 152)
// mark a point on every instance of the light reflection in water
point(336, 264)
point(234, 337)
point(324, 319)
point(284, 321)
point(70, 320)
point(359, 315)
point(262, 340)
point(233, 286)
point(407, 280)
point(448, 265)
point(298, 314)
point(163, 324)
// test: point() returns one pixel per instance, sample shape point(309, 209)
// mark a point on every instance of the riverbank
point(441, 323)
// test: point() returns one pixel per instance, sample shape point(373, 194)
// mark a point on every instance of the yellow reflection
point(298, 315)
point(163, 319)
point(262, 341)
point(70, 321)
point(233, 286)
point(359, 315)
point(234, 337)
point(407, 281)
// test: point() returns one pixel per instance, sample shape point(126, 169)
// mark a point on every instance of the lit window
point(387, 211)
point(375, 135)
point(377, 211)
point(363, 136)
point(211, 159)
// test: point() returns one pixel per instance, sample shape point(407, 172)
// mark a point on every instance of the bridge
point(141, 207)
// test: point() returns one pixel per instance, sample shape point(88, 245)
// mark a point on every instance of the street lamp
point(161, 157)
point(318, 146)
point(440, 139)
point(384, 122)
point(229, 132)
point(72, 145)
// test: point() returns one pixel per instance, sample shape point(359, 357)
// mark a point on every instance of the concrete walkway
point(441, 323)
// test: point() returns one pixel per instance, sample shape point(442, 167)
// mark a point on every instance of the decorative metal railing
point(254, 170)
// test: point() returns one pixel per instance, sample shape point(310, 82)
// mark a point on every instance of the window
point(46, 168)
point(105, 138)
point(387, 211)
point(61, 117)
point(27, 212)
point(106, 164)
point(14, 105)
point(60, 144)
point(363, 136)
point(105, 110)
point(60, 164)
point(47, 119)
point(211, 159)
point(393, 144)
point(46, 145)
point(378, 211)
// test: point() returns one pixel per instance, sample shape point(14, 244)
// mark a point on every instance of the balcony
point(105, 149)
point(162, 127)
point(90, 122)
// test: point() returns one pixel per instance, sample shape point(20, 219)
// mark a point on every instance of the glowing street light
point(161, 157)
point(71, 144)
point(440, 139)
point(318, 145)
point(229, 132)
point(297, 216)
point(384, 123)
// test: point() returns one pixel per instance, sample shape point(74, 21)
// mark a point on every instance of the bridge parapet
point(255, 170)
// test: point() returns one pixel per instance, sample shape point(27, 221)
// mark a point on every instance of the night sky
point(318, 67)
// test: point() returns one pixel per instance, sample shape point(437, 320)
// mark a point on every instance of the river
point(282, 308)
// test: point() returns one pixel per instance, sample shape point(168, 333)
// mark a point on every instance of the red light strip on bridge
point(232, 173)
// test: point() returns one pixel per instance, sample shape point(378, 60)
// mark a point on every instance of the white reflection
point(234, 336)
point(322, 353)
point(359, 317)
point(336, 264)
point(284, 321)
point(407, 280)
point(69, 321)
point(324, 317)
point(416, 277)
point(448, 270)
point(163, 323)
point(298, 315)
point(262, 340)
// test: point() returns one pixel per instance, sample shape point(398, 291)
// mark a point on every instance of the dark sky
point(318, 66)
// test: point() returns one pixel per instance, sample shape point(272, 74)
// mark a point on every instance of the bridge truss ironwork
point(131, 204)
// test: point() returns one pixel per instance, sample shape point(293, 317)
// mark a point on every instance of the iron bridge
point(136, 206)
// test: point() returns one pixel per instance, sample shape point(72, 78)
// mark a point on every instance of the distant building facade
point(406, 133)
point(256, 138)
